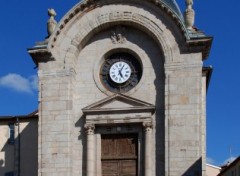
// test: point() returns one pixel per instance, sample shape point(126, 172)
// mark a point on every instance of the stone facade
point(166, 109)
point(18, 145)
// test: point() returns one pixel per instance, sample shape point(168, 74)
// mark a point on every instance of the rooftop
point(172, 4)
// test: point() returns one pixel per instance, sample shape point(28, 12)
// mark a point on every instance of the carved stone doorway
point(119, 155)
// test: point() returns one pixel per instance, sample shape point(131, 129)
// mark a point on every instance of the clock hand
point(122, 68)
point(120, 73)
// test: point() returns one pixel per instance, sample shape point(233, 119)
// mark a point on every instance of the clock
point(120, 72)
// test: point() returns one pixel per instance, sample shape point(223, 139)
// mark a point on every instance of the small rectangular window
point(11, 139)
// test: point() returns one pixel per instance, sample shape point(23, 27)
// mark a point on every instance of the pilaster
point(90, 129)
point(148, 145)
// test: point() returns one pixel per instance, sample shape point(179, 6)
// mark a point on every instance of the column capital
point(89, 128)
point(147, 126)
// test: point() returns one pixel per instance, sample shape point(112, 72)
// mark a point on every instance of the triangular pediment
point(119, 103)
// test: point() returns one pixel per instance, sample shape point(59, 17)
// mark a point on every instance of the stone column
point(148, 145)
point(90, 149)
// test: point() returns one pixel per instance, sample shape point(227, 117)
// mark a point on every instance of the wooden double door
point(119, 154)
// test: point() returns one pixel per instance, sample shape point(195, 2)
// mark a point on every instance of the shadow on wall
point(195, 169)
point(82, 137)
point(9, 163)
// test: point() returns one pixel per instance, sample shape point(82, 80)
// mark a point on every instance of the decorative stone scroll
point(89, 128)
point(118, 35)
point(147, 127)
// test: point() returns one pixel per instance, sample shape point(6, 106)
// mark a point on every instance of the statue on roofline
point(189, 15)
point(52, 23)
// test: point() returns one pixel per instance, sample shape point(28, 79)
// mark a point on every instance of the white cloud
point(34, 82)
point(210, 161)
point(19, 83)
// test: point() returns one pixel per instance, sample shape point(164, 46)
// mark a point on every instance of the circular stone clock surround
point(120, 72)
point(129, 48)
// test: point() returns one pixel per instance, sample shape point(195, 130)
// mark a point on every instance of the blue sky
point(24, 22)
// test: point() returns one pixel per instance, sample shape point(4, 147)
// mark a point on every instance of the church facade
point(122, 91)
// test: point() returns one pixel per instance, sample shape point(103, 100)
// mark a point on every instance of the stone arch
point(85, 25)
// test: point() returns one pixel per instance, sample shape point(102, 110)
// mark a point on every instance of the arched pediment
point(78, 26)
point(169, 7)
point(164, 24)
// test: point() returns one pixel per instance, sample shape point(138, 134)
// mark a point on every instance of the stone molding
point(180, 66)
point(88, 5)
point(137, 106)
point(98, 19)
point(61, 73)
point(100, 113)
point(128, 47)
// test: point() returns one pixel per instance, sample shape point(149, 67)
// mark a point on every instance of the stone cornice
point(119, 110)
point(40, 53)
point(182, 66)
point(202, 44)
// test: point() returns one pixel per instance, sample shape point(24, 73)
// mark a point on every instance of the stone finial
point(189, 15)
point(189, 4)
point(52, 23)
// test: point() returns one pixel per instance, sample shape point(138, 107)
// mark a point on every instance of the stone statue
point(52, 23)
point(118, 35)
point(189, 15)
point(189, 4)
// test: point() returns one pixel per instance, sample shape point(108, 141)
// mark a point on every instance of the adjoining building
point(18, 145)
point(231, 169)
point(212, 170)
point(122, 91)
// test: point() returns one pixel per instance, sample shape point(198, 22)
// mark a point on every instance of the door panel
point(110, 168)
point(128, 167)
point(119, 154)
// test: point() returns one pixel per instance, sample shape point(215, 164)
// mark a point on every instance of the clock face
point(120, 72)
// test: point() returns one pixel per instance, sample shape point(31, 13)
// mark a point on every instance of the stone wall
point(172, 81)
